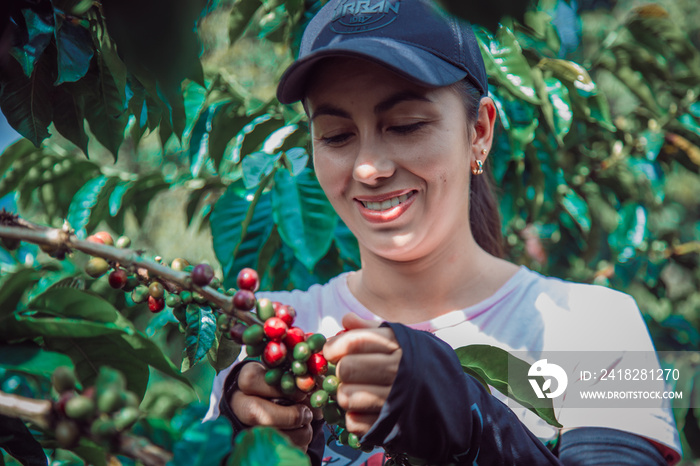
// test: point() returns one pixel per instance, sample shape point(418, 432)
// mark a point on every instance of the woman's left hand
point(367, 360)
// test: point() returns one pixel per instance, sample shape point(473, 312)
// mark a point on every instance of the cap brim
point(415, 64)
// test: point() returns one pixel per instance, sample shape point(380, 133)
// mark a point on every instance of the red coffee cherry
point(236, 332)
point(117, 279)
point(274, 353)
point(275, 329)
point(244, 300)
point(105, 237)
point(287, 314)
point(317, 364)
point(305, 383)
point(156, 304)
point(294, 335)
point(202, 274)
point(247, 279)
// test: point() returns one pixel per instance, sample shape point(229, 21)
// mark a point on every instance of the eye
point(407, 129)
point(335, 140)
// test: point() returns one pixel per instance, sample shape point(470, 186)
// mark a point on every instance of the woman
point(402, 127)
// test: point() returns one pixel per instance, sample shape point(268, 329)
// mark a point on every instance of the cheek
point(329, 174)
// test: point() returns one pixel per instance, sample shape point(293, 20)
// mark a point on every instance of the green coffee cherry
point(103, 429)
point(273, 376)
point(172, 300)
point(316, 342)
point(318, 399)
point(63, 379)
point(332, 413)
point(302, 351)
point(110, 400)
point(287, 384)
point(140, 294)
point(67, 434)
point(330, 384)
point(253, 335)
point(126, 418)
point(299, 368)
point(264, 309)
point(80, 407)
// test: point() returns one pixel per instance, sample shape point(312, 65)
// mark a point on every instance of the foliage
point(596, 159)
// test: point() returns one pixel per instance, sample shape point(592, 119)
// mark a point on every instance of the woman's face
point(393, 158)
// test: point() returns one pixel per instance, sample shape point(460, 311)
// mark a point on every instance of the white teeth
point(387, 204)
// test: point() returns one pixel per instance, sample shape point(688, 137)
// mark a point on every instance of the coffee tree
point(596, 158)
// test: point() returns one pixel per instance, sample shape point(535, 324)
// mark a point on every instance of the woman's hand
point(367, 359)
point(256, 403)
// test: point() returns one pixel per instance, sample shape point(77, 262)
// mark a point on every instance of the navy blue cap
point(413, 38)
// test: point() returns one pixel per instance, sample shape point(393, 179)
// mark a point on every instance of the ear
point(484, 128)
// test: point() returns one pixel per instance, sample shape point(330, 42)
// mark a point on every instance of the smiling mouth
point(388, 203)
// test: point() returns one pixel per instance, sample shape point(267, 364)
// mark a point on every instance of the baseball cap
point(413, 38)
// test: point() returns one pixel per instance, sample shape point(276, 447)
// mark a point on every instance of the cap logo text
point(358, 16)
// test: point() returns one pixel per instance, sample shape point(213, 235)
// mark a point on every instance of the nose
point(373, 163)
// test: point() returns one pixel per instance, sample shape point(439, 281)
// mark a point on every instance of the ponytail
point(484, 217)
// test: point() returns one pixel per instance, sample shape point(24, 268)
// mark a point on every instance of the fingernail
point(306, 416)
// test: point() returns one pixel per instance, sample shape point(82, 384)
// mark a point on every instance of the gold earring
point(479, 168)
point(484, 152)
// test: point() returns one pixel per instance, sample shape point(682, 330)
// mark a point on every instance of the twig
point(65, 240)
point(27, 409)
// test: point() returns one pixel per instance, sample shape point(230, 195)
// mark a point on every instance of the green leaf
point(257, 166)
point(17, 440)
point(31, 359)
point(163, 46)
point(24, 100)
point(298, 159)
point(562, 117)
point(103, 106)
point(631, 232)
point(74, 304)
point(203, 444)
point(90, 204)
point(347, 244)
point(577, 208)
point(74, 46)
point(305, 219)
point(39, 33)
point(225, 125)
point(91, 353)
point(71, 122)
point(223, 353)
point(199, 335)
point(241, 14)
point(241, 222)
point(508, 375)
point(19, 150)
point(255, 133)
point(13, 287)
point(506, 64)
point(265, 445)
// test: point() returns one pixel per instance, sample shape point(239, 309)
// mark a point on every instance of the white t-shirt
point(529, 314)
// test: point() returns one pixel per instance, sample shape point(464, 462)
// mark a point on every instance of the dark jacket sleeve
point(315, 450)
point(436, 412)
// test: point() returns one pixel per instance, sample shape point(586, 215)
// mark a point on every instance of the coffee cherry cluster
point(292, 357)
point(154, 291)
point(102, 417)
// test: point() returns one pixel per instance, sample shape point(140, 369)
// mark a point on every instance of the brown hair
point(484, 217)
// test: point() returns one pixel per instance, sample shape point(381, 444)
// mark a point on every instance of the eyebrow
point(381, 107)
